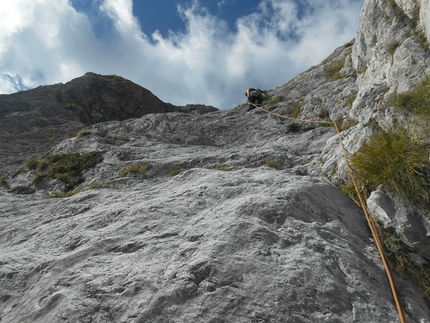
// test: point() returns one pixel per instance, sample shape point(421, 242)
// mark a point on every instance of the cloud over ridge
point(46, 42)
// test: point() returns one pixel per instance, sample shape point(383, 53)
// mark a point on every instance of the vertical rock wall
point(425, 17)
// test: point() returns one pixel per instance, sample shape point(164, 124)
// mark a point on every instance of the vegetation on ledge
point(398, 162)
point(67, 168)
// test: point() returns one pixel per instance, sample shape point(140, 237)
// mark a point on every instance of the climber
point(255, 96)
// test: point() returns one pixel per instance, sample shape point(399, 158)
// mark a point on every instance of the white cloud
point(121, 12)
point(46, 42)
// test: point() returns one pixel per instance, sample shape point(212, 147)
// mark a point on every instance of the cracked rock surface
point(241, 233)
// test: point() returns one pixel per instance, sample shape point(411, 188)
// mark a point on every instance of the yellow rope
point(363, 206)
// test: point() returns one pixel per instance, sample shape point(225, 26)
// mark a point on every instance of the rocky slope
point(220, 226)
point(217, 216)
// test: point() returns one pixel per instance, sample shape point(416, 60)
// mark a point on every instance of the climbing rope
point(369, 219)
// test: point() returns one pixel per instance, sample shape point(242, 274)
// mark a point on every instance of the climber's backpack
point(254, 93)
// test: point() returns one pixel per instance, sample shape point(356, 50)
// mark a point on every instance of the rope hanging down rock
point(369, 219)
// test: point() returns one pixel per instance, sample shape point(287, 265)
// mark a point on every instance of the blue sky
point(184, 51)
point(163, 15)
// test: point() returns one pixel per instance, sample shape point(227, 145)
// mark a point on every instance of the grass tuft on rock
point(332, 73)
point(57, 194)
point(398, 254)
point(134, 169)
point(73, 162)
point(117, 78)
point(67, 168)
point(273, 100)
point(399, 163)
point(296, 112)
point(174, 172)
point(83, 133)
point(350, 100)
point(416, 101)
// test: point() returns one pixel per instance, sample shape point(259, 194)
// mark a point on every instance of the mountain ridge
point(48, 114)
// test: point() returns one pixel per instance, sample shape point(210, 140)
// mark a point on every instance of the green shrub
point(55, 194)
point(32, 164)
point(224, 168)
point(349, 189)
point(174, 172)
point(273, 100)
point(73, 162)
point(68, 105)
point(36, 164)
point(134, 169)
point(19, 170)
point(347, 51)
point(95, 186)
point(398, 162)
point(70, 193)
point(416, 101)
point(339, 122)
point(67, 168)
point(83, 133)
point(43, 165)
point(350, 100)
point(296, 112)
point(70, 179)
point(324, 124)
point(397, 251)
point(117, 78)
point(332, 73)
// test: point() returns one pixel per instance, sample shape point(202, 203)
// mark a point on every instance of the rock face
point(394, 214)
point(200, 215)
point(425, 17)
point(227, 239)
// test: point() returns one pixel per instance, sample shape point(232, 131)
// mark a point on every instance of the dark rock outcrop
point(89, 99)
